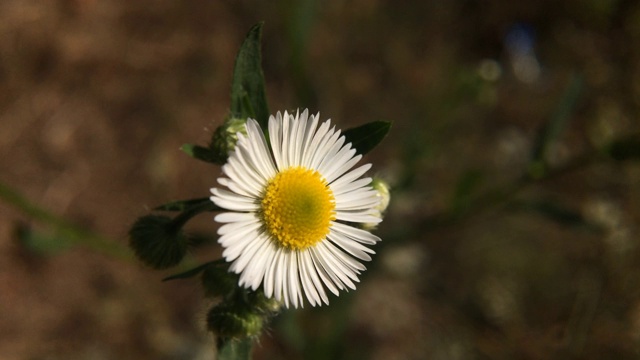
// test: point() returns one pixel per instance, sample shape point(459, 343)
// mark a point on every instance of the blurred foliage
point(512, 230)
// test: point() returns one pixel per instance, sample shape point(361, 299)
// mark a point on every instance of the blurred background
point(511, 233)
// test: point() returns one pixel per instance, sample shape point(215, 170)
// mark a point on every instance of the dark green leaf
point(366, 137)
point(231, 349)
point(193, 272)
point(248, 95)
point(183, 205)
point(203, 153)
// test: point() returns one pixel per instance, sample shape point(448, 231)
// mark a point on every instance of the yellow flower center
point(297, 208)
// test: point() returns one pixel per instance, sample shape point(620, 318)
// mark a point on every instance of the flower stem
point(71, 232)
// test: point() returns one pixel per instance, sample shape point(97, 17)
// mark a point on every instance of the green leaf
point(202, 153)
point(183, 205)
point(193, 272)
point(366, 137)
point(232, 349)
point(248, 95)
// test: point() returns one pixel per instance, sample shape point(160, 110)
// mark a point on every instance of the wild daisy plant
point(295, 207)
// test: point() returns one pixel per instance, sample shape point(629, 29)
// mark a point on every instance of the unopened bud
point(157, 242)
point(225, 137)
point(258, 300)
point(382, 188)
point(228, 322)
point(384, 196)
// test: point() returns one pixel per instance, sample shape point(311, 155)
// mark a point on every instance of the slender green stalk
point(71, 232)
point(505, 193)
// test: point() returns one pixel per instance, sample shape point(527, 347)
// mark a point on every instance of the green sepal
point(203, 153)
point(182, 205)
point(366, 137)
point(193, 272)
point(248, 95)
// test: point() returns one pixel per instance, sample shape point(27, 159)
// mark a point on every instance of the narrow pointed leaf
point(248, 95)
point(192, 272)
point(366, 137)
point(203, 153)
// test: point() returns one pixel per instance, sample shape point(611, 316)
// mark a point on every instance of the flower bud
point(157, 242)
point(382, 188)
point(383, 194)
point(229, 322)
point(258, 300)
point(225, 137)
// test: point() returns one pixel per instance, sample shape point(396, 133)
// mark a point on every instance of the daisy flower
point(291, 202)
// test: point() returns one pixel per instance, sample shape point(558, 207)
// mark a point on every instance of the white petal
point(327, 279)
point(321, 148)
point(343, 165)
point(247, 253)
point(229, 228)
point(231, 196)
point(235, 247)
point(230, 239)
point(297, 138)
point(337, 267)
point(269, 276)
point(293, 285)
point(358, 217)
point(332, 162)
point(281, 292)
point(305, 280)
point(309, 131)
point(234, 205)
point(317, 137)
point(259, 150)
point(286, 140)
point(351, 175)
point(275, 138)
point(348, 187)
point(241, 179)
point(352, 247)
point(312, 273)
point(254, 272)
point(327, 149)
point(356, 234)
point(227, 217)
point(355, 201)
